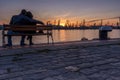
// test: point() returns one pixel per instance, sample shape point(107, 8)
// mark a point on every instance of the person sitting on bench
point(20, 20)
point(30, 15)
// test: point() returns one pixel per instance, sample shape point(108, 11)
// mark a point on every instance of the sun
point(62, 24)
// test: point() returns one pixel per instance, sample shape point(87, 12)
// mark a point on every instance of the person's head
point(29, 14)
point(23, 12)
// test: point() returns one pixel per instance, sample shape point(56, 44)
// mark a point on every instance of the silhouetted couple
point(24, 18)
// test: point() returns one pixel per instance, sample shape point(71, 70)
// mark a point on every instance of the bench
point(47, 30)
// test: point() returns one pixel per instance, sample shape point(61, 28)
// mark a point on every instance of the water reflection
point(67, 35)
point(62, 35)
point(114, 34)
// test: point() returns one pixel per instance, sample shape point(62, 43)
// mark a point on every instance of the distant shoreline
point(79, 28)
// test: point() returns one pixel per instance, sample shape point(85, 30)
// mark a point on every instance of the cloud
point(65, 15)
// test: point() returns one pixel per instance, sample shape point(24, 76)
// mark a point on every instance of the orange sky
point(74, 20)
point(51, 10)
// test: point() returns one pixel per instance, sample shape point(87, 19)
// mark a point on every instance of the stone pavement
point(62, 62)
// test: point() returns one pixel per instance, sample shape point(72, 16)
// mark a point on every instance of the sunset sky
point(50, 10)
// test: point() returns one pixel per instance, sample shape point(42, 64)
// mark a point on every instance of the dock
point(77, 60)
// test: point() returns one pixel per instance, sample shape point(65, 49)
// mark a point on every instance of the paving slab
point(91, 60)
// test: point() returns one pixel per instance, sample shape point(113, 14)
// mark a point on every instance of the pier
point(88, 60)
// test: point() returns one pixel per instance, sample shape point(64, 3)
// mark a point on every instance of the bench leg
point(52, 39)
point(3, 41)
point(48, 38)
point(3, 38)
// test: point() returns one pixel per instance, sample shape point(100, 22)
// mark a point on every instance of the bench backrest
point(26, 27)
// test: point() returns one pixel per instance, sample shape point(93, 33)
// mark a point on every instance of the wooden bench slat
point(27, 34)
point(26, 28)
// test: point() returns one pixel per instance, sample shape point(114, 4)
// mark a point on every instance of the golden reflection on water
point(66, 35)
point(62, 35)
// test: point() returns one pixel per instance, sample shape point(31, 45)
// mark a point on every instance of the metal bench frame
point(22, 28)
